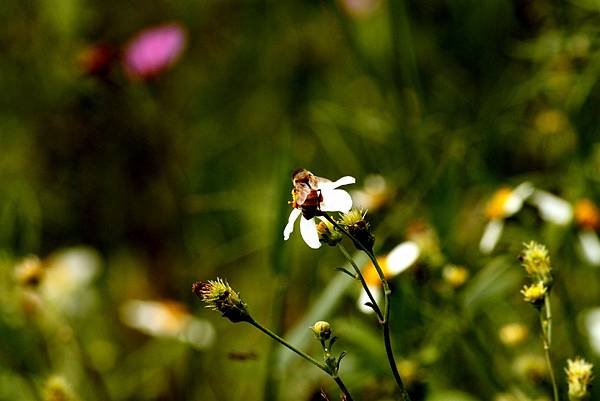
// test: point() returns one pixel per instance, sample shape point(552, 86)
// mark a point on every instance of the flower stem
point(304, 355)
point(385, 322)
point(362, 281)
point(546, 323)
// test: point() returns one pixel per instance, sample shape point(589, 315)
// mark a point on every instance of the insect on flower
point(312, 195)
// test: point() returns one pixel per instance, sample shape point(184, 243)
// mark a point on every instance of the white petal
point(364, 298)
point(590, 246)
point(523, 191)
point(309, 233)
point(290, 225)
point(491, 235)
point(346, 180)
point(336, 200)
point(592, 323)
point(552, 208)
point(514, 203)
point(402, 257)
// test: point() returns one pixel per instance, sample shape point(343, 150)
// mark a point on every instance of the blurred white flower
point(504, 203)
point(373, 195)
point(592, 324)
point(552, 208)
point(168, 319)
point(67, 276)
point(324, 196)
point(397, 260)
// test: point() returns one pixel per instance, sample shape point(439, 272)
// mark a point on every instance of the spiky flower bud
point(535, 293)
point(322, 330)
point(536, 261)
point(354, 221)
point(328, 234)
point(579, 377)
point(219, 296)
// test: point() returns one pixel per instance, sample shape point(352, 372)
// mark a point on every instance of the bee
point(306, 194)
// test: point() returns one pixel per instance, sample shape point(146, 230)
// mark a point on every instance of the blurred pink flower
point(154, 50)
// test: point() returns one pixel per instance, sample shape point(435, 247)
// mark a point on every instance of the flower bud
point(219, 296)
point(579, 377)
point(322, 330)
point(328, 234)
point(354, 221)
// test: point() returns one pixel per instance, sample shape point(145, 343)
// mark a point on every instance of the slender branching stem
point(546, 323)
point(360, 276)
point(385, 322)
point(304, 355)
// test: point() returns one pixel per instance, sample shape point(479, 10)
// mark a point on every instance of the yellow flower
point(536, 261)
point(579, 377)
point(535, 293)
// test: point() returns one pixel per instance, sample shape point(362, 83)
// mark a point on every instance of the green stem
point(362, 281)
point(385, 322)
point(304, 355)
point(546, 323)
point(342, 386)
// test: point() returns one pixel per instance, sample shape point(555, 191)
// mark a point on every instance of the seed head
point(579, 377)
point(219, 296)
point(536, 261)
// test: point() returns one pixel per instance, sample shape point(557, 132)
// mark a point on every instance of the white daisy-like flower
point(310, 194)
point(587, 218)
point(504, 203)
point(397, 260)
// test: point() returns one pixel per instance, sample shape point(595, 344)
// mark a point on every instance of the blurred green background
point(147, 185)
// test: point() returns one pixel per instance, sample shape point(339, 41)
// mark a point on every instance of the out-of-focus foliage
point(130, 186)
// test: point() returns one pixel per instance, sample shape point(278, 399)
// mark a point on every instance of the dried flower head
point(322, 330)
point(354, 221)
point(536, 261)
point(328, 234)
point(579, 377)
point(219, 296)
point(535, 293)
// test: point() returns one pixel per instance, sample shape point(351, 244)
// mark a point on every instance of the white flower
point(333, 200)
point(398, 260)
point(592, 323)
point(168, 319)
point(504, 203)
point(552, 208)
